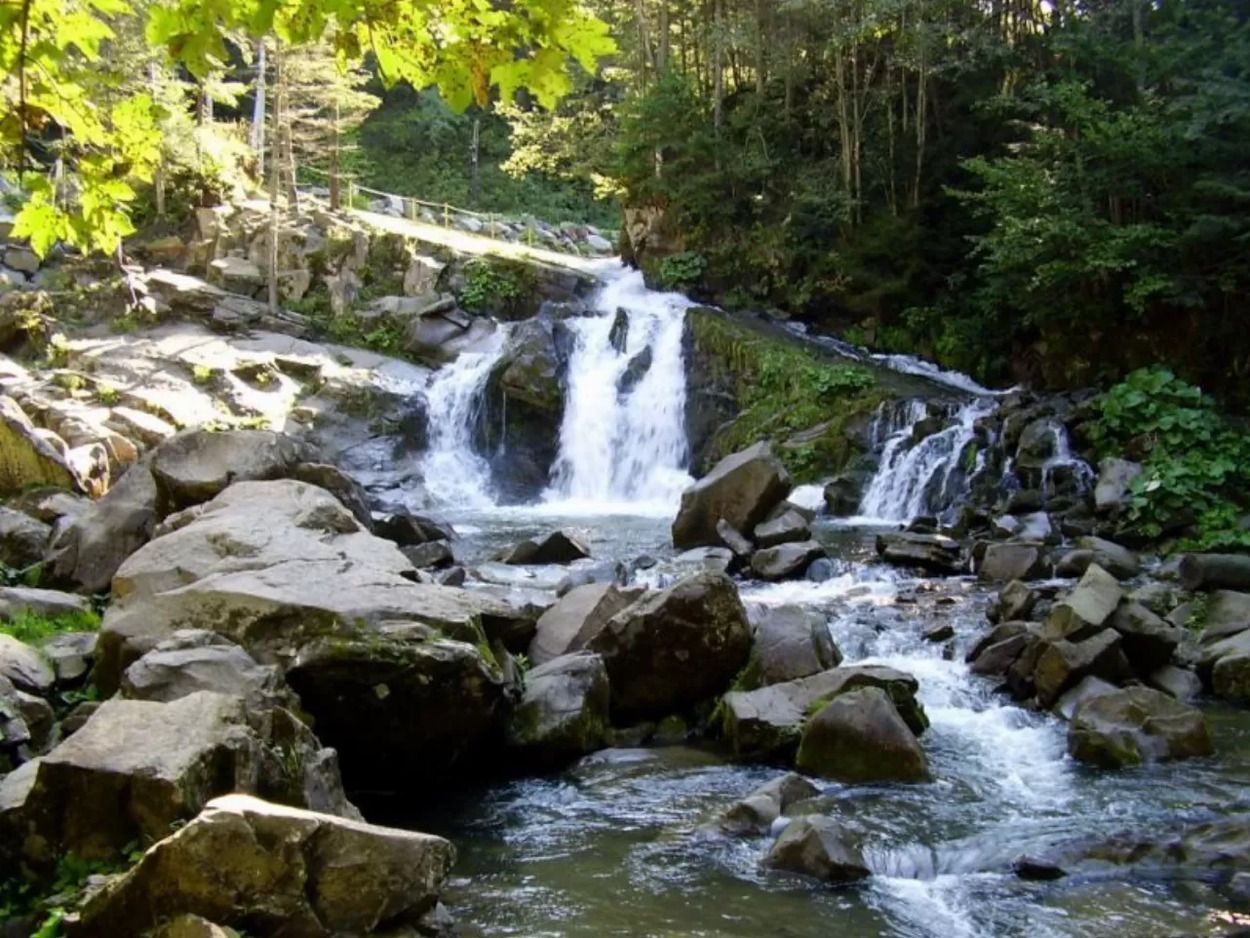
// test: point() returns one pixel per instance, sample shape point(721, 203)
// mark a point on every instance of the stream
point(620, 843)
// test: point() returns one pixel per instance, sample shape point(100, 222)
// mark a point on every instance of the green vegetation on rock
point(27, 626)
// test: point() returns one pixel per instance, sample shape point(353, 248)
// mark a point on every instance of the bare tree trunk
point(718, 67)
point(336, 161)
point(644, 42)
point(475, 178)
point(759, 47)
point(662, 58)
point(275, 171)
point(258, 111)
point(922, 84)
point(158, 179)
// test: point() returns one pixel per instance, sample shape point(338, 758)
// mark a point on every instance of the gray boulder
point(1226, 614)
point(339, 484)
point(790, 525)
point(675, 647)
point(790, 642)
point(71, 655)
point(1015, 602)
point(1148, 640)
point(191, 661)
point(755, 812)
point(1062, 664)
point(576, 618)
point(1011, 560)
point(819, 847)
point(1136, 725)
point(275, 870)
point(1119, 561)
point(1215, 571)
point(860, 737)
point(933, 552)
point(735, 540)
point(51, 604)
point(1180, 683)
point(25, 667)
point(1088, 688)
point(562, 546)
point(785, 561)
point(1226, 665)
point(742, 488)
point(766, 723)
point(136, 767)
point(563, 713)
point(1115, 478)
point(197, 465)
point(23, 539)
point(1086, 609)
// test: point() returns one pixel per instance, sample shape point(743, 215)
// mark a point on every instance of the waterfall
point(454, 473)
point(623, 437)
point(920, 476)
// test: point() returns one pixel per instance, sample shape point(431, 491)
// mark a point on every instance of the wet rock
point(1115, 478)
point(785, 560)
point(23, 540)
point(941, 632)
point(766, 723)
point(1215, 571)
point(1062, 664)
point(1000, 633)
point(88, 552)
point(1037, 868)
point(932, 552)
point(563, 546)
point(789, 526)
point(859, 737)
point(790, 642)
point(1136, 725)
point(275, 870)
point(138, 766)
point(1226, 613)
point(732, 538)
point(1086, 609)
point(576, 618)
point(843, 494)
point(634, 372)
point(1007, 560)
point(23, 665)
point(1088, 688)
point(1015, 602)
point(1180, 683)
point(432, 554)
point(564, 711)
point(675, 647)
point(821, 570)
point(755, 813)
point(742, 488)
point(191, 661)
point(819, 847)
point(1149, 641)
point(408, 530)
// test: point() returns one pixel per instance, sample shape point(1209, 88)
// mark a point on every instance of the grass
point(32, 628)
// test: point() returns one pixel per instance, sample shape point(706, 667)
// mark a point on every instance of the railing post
point(412, 209)
point(446, 215)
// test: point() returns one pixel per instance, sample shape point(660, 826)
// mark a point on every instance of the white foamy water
point(454, 474)
point(625, 445)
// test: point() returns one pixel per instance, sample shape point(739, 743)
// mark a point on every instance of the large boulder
point(271, 566)
point(563, 546)
point(819, 847)
point(1148, 640)
point(1061, 664)
point(675, 647)
point(23, 539)
point(790, 642)
point(563, 713)
point(90, 549)
point(24, 666)
point(790, 525)
point(766, 723)
point(1005, 561)
point(138, 766)
point(1086, 609)
point(26, 457)
point(742, 488)
point(275, 870)
point(576, 618)
point(933, 552)
point(1215, 571)
point(1226, 666)
point(197, 465)
point(859, 737)
point(1227, 613)
point(1136, 725)
point(1117, 560)
point(785, 561)
point(404, 707)
point(191, 661)
point(756, 811)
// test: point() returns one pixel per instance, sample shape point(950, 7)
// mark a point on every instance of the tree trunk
point(275, 172)
point(158, 179)
point(258, 111)
point(718, 68)
point(336, 161)
point(475, 178)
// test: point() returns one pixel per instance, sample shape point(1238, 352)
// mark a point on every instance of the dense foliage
point(1196, 466)
point(1051, 192)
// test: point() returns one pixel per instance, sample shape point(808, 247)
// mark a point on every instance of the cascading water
point(920, 476)
point(623, 443)
point(454, 473)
